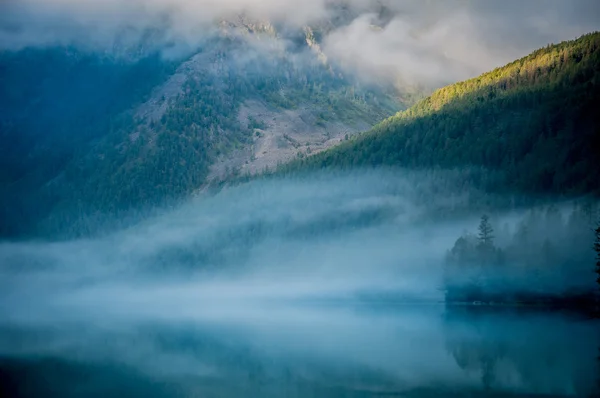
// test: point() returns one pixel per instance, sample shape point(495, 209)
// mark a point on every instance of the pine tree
point(485, 231)
point(597, 249)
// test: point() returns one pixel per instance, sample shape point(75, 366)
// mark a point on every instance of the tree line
point(546, 257)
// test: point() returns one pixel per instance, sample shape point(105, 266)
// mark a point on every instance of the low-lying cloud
point(327, 236)
point(413, 42)
point(263, 278)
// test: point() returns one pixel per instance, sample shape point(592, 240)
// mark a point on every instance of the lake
point(309, 349)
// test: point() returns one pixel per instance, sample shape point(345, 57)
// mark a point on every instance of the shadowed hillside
point(86, 136)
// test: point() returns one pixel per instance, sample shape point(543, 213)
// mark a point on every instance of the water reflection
point(346, 350)
point(537, 352)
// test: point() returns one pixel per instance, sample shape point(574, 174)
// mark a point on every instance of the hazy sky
point(417, 41)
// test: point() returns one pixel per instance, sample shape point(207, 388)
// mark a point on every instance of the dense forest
point(529, 127)
point(533, 126)
point(543, 257)
point(54, 104)
point(75, 152)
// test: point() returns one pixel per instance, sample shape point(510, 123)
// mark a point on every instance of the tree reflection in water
point(526, 351)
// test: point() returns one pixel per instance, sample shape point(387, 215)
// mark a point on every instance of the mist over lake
point(332, 198)
point(281, 288)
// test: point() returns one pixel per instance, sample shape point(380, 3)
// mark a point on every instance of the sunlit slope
point(534, 124)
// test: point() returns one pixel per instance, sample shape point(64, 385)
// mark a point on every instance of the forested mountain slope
point(55, 104)
point(86, 135)
point(531, 126)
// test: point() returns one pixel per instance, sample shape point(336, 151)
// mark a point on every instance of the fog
point(322, 285)
point(409, 42)
point(325, 236)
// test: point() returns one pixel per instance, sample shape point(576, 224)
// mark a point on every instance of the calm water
point(304, 350)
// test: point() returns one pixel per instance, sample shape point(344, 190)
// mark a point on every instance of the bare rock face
point(286, 135)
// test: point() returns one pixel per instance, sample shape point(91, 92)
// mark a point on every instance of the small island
point(544, 260)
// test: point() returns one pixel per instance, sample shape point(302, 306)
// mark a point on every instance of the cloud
point(413, 42)
point(400, 51)
point(437, 43)
point(44, 22)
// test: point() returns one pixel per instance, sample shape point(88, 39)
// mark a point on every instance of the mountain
point(86, 135)
point(55, 103)
point(532, 126)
